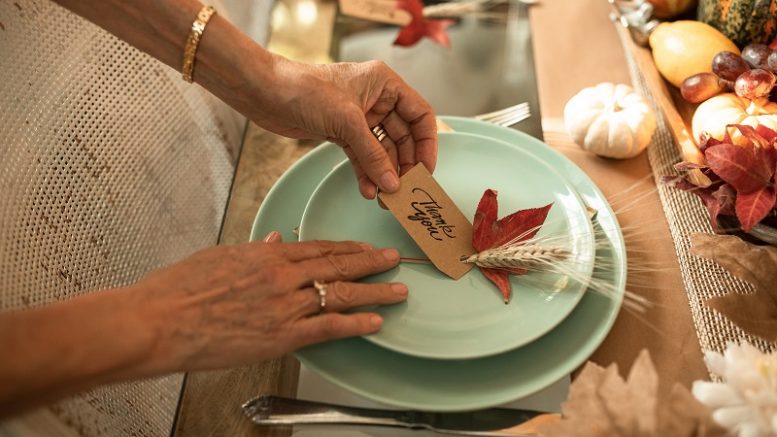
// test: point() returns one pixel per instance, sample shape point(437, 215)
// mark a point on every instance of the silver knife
point(276, 410)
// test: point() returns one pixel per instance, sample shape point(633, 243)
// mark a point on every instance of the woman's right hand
point(231, 305)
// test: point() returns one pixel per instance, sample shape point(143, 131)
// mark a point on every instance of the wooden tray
point(677, 112)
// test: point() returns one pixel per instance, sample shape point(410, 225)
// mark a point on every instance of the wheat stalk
point(527, 256)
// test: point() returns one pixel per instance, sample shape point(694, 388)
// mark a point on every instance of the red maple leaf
point(739, 166)
point(489, 233)
point(753, 207)
point(420, 27)
point(743, 177)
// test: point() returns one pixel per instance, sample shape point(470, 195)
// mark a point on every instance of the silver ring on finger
point(379, 131)
point(321, 289)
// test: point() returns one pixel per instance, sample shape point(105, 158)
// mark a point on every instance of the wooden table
point(575, 46)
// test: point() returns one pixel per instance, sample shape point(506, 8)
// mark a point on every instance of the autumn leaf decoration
point(756, 312)
point(741, 178)
point(421, 27)
point(505, 245)
point(602, 403)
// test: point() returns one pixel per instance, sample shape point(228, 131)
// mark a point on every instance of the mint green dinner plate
point(404, 381)
point(466, 318)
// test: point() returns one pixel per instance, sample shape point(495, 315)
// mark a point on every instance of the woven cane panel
point(686, 215)
point(110, 167)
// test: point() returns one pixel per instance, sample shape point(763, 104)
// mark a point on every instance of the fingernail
point(399, 289)
point(390, 254)
point(366, 246)
point(376, 321)
point(368, 190)
point(271, 236)
point(389, 181)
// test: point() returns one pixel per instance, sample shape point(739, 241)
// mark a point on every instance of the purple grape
point(754, 84)
point(729, 65)
point(756, 55)
point(771, 61)
point(701, 87)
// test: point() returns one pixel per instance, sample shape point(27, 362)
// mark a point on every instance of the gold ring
point(379, 132)
point(321, 288)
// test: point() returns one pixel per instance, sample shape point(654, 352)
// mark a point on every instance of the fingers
point(273, 237)
point(319, 249)
point(367, 188)
point(418, 115)
point(399, 131)
point(334, 326)
point(391, 150)
point(341, 296)
point(369, 153)
point(345, 267)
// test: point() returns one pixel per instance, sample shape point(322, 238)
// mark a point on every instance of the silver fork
point(508, 116)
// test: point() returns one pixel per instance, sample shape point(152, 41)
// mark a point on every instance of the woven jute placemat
point(686, 215)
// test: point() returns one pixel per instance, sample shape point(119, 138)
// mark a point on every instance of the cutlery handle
point(276, 410)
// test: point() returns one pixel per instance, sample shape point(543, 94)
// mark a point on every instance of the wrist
point(232, 66)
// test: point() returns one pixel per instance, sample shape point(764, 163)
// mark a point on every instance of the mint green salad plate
point(465, 318)
point(411, 382)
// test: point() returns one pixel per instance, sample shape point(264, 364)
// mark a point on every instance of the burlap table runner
point(686, 215)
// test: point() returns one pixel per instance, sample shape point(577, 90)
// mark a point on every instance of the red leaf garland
point(743, 177)
point(766, 133)
point(420, 27)
point(752, 207)
point(737, 166)
point(488, 233)
point(725, 197)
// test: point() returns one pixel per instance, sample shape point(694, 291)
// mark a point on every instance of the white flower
point(746, 403)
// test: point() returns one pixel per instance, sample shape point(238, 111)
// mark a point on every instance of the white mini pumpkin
point(610, 120)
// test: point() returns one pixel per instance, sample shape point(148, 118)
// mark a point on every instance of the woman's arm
point(338, 102)
point(71, 346)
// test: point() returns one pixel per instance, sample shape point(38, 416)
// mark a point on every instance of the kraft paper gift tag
point(382, 11)
point(433, 221)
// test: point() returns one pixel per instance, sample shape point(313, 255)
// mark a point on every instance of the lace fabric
point(111, 167)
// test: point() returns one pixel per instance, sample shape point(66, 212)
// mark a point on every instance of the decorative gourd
point(713, 115)
point(610, 120)
point(743, 21)
point(685, 47)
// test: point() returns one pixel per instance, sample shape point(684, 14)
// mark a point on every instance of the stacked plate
point(454, 345)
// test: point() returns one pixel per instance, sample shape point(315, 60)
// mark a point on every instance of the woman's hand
point(223, 306)
point(341, 103)
point(338, 102)
point(230, 305)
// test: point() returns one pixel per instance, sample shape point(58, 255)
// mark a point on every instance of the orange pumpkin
point(715, 114)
